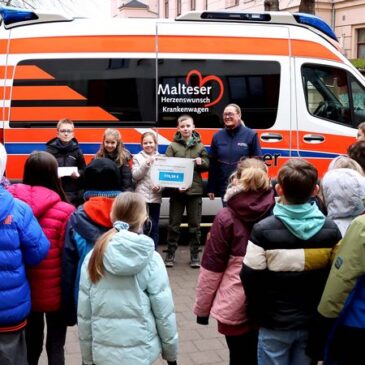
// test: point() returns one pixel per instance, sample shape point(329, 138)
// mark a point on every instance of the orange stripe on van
point(57, 113)
point(26, 72)
point(240, 45)
point(132, 43)
point(171, 44)
point(6, 72)
point(233, 45)
point(311, 49)
point(333, 143)
point(5, 92)
point(15, 166)
point(4, 114)
point(45, 93)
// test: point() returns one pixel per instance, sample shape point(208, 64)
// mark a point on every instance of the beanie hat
point(102, 174)
point(3, 157)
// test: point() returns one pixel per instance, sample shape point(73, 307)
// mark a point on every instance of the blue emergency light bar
point(315, 22)
point(14, 15)
point(276, 17)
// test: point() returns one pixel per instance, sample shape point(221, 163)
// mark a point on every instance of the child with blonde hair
point(219, 291)
point(113, 148)
point(125, 311)
point(141, 172)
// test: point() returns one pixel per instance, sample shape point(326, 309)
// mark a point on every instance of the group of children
point(135, 174)
point(77, 260)
point(94, 266)
point(299, 296)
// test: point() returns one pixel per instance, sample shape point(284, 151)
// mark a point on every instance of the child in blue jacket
point(22, 242)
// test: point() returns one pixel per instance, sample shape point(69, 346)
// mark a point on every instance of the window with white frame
point(361, 43)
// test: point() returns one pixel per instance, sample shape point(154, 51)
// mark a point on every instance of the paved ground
point(198, 344)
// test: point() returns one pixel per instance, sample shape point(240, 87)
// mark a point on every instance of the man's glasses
point(63, 131)
point(229, 115)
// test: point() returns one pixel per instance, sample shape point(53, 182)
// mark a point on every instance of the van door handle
point(313, 138)
point(271, 137)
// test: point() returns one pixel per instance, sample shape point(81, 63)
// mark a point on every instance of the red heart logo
point(204, 80)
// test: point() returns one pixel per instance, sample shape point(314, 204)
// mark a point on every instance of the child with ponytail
point(219, 292)
point(125, 311)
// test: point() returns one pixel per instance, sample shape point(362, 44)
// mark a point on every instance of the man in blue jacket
point(22, 242)
point(228, 146)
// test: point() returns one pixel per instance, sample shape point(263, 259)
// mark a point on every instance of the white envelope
point(66, 171)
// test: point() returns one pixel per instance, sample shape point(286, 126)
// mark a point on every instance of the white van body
point(294, 86)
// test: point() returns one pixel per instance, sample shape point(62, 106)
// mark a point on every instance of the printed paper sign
point(172, 172)
point(66, 171)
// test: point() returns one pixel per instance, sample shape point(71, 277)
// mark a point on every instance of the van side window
point(91, 92)
point(358, 98)
point(203, 88)
point(330, 95)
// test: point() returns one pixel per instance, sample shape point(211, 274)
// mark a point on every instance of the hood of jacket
point(55, 145)
point(194, 140)
point(39, 198)
point(7, 203)
point(250, 206)
point(302, 220)
point(127, 253)
point(93, 218)
point(344, 193)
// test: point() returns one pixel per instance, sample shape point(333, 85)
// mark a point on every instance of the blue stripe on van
point(92, 148)
point(87, 148)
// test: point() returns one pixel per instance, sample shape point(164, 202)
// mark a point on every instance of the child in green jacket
point(186, 144)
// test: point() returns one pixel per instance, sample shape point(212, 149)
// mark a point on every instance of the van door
point(202, 67)
point(331, 103)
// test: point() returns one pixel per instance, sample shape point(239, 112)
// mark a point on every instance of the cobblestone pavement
point(197, 344)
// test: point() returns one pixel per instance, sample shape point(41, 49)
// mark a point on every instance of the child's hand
point(155, 188)
point(75, 175)
point(150, 161)
point(198, 161)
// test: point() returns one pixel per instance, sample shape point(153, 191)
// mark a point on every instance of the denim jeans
point(277, 347)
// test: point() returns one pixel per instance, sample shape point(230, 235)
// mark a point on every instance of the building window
point(166, 5)
point(178, 7)
point(361, 43)
point(192, 4)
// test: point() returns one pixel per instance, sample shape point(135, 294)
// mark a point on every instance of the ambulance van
point(286, 71)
